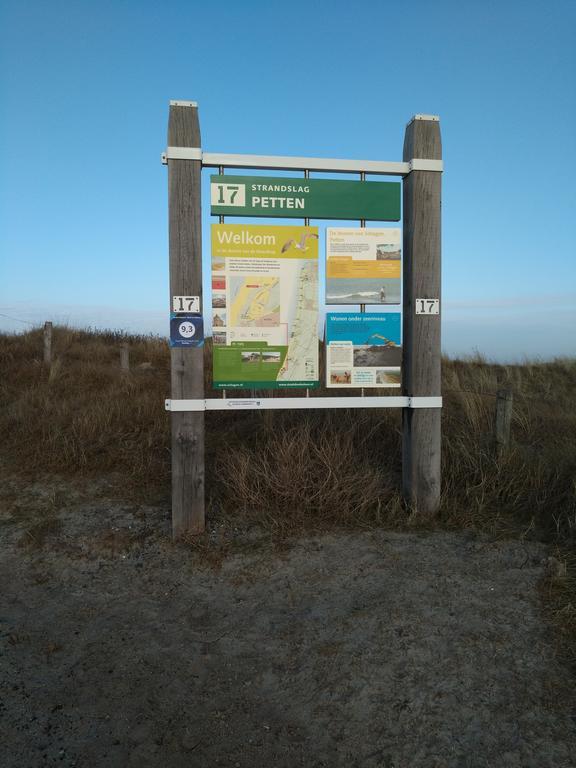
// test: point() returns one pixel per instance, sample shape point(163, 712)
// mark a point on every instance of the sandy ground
point(375, 649)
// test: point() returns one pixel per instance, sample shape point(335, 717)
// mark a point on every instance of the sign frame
point(421, 169)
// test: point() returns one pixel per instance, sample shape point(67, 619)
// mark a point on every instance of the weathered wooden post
point(124, 358)
point(421, 339)
point(47, 342)
point(187, 363)
point(503, 419)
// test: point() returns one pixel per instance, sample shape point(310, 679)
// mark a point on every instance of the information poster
point(363, 349)
point(264, 306)
point(363, 265)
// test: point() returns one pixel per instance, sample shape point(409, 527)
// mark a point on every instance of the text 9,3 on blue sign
point(186, 330)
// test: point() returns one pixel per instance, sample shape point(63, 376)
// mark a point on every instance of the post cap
point(431, 118)
point(183, 103)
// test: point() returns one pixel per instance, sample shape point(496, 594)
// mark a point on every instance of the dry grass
point(321, 468)
point(559, 593)
point(81, 415)
point(293, 470)
point(533, 484)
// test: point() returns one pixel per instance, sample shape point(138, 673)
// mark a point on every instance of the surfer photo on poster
point(363, 265)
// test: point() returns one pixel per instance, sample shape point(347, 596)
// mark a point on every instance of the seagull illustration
point(301, 245)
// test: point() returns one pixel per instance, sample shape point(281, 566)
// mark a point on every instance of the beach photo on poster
point(374, 356)
point(388, 377)
point(362, 290)
point(270, 357)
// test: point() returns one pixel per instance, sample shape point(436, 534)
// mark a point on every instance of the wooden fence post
point(421, 369)
point(124, 358)
point(187, 363)
point(47, 343)
point(504, 399)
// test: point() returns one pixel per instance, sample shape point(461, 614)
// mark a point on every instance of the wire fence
point(125, 364)
point(495, 394)
point(18, 320)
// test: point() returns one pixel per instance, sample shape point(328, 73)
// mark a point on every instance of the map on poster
point(363, 349)
point(363, 265)
point(264, 306)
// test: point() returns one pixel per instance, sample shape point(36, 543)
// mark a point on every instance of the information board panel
point(363, 349)
point(363, 265)
point(264, 306)
point(304, 198)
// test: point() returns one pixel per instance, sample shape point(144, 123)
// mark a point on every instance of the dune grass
point(82, 416)
point(288, 471)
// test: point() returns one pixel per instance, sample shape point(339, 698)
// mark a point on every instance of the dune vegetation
point(82, 416)
point(290, 472)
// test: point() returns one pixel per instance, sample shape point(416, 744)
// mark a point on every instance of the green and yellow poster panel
point(264, 306)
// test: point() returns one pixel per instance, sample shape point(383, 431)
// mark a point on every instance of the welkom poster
point(264, 306)
point(363, 265)
point(363, 349)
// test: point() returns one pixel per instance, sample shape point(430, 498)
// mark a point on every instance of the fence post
point(48, 343)
point(421, 368)
point(124, 358)
point(187, 363)
point(504, 399)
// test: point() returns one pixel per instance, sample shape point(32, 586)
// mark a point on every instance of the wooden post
point(503, 419)
point(421, 370)
point(48, 343)
point(124, 358)
point(187, 363)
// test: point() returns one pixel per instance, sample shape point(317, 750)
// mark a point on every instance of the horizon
point(94, 319)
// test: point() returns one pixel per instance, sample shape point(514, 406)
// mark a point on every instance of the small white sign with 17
point(427, 306)
point(185, 303)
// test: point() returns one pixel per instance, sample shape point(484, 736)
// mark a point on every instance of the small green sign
point(304, 198)
point(251, 364)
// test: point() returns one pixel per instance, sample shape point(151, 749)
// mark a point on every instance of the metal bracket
point(425, 402)
point(181, 153)
point(426, 165)
point(287, 163)
point(276, 162)
point(183, 103)
point(301, 403)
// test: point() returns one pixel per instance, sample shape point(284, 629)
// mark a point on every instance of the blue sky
point(85, 88)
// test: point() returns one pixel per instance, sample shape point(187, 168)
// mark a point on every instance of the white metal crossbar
point(275, 162)
point(300, 403)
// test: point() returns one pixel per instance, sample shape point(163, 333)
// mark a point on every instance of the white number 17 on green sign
point(228, 194)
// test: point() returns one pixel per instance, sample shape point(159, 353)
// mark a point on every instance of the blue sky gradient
point(85, 88)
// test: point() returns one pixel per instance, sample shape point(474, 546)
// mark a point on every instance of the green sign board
point(245, 364)
point(304, 198)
